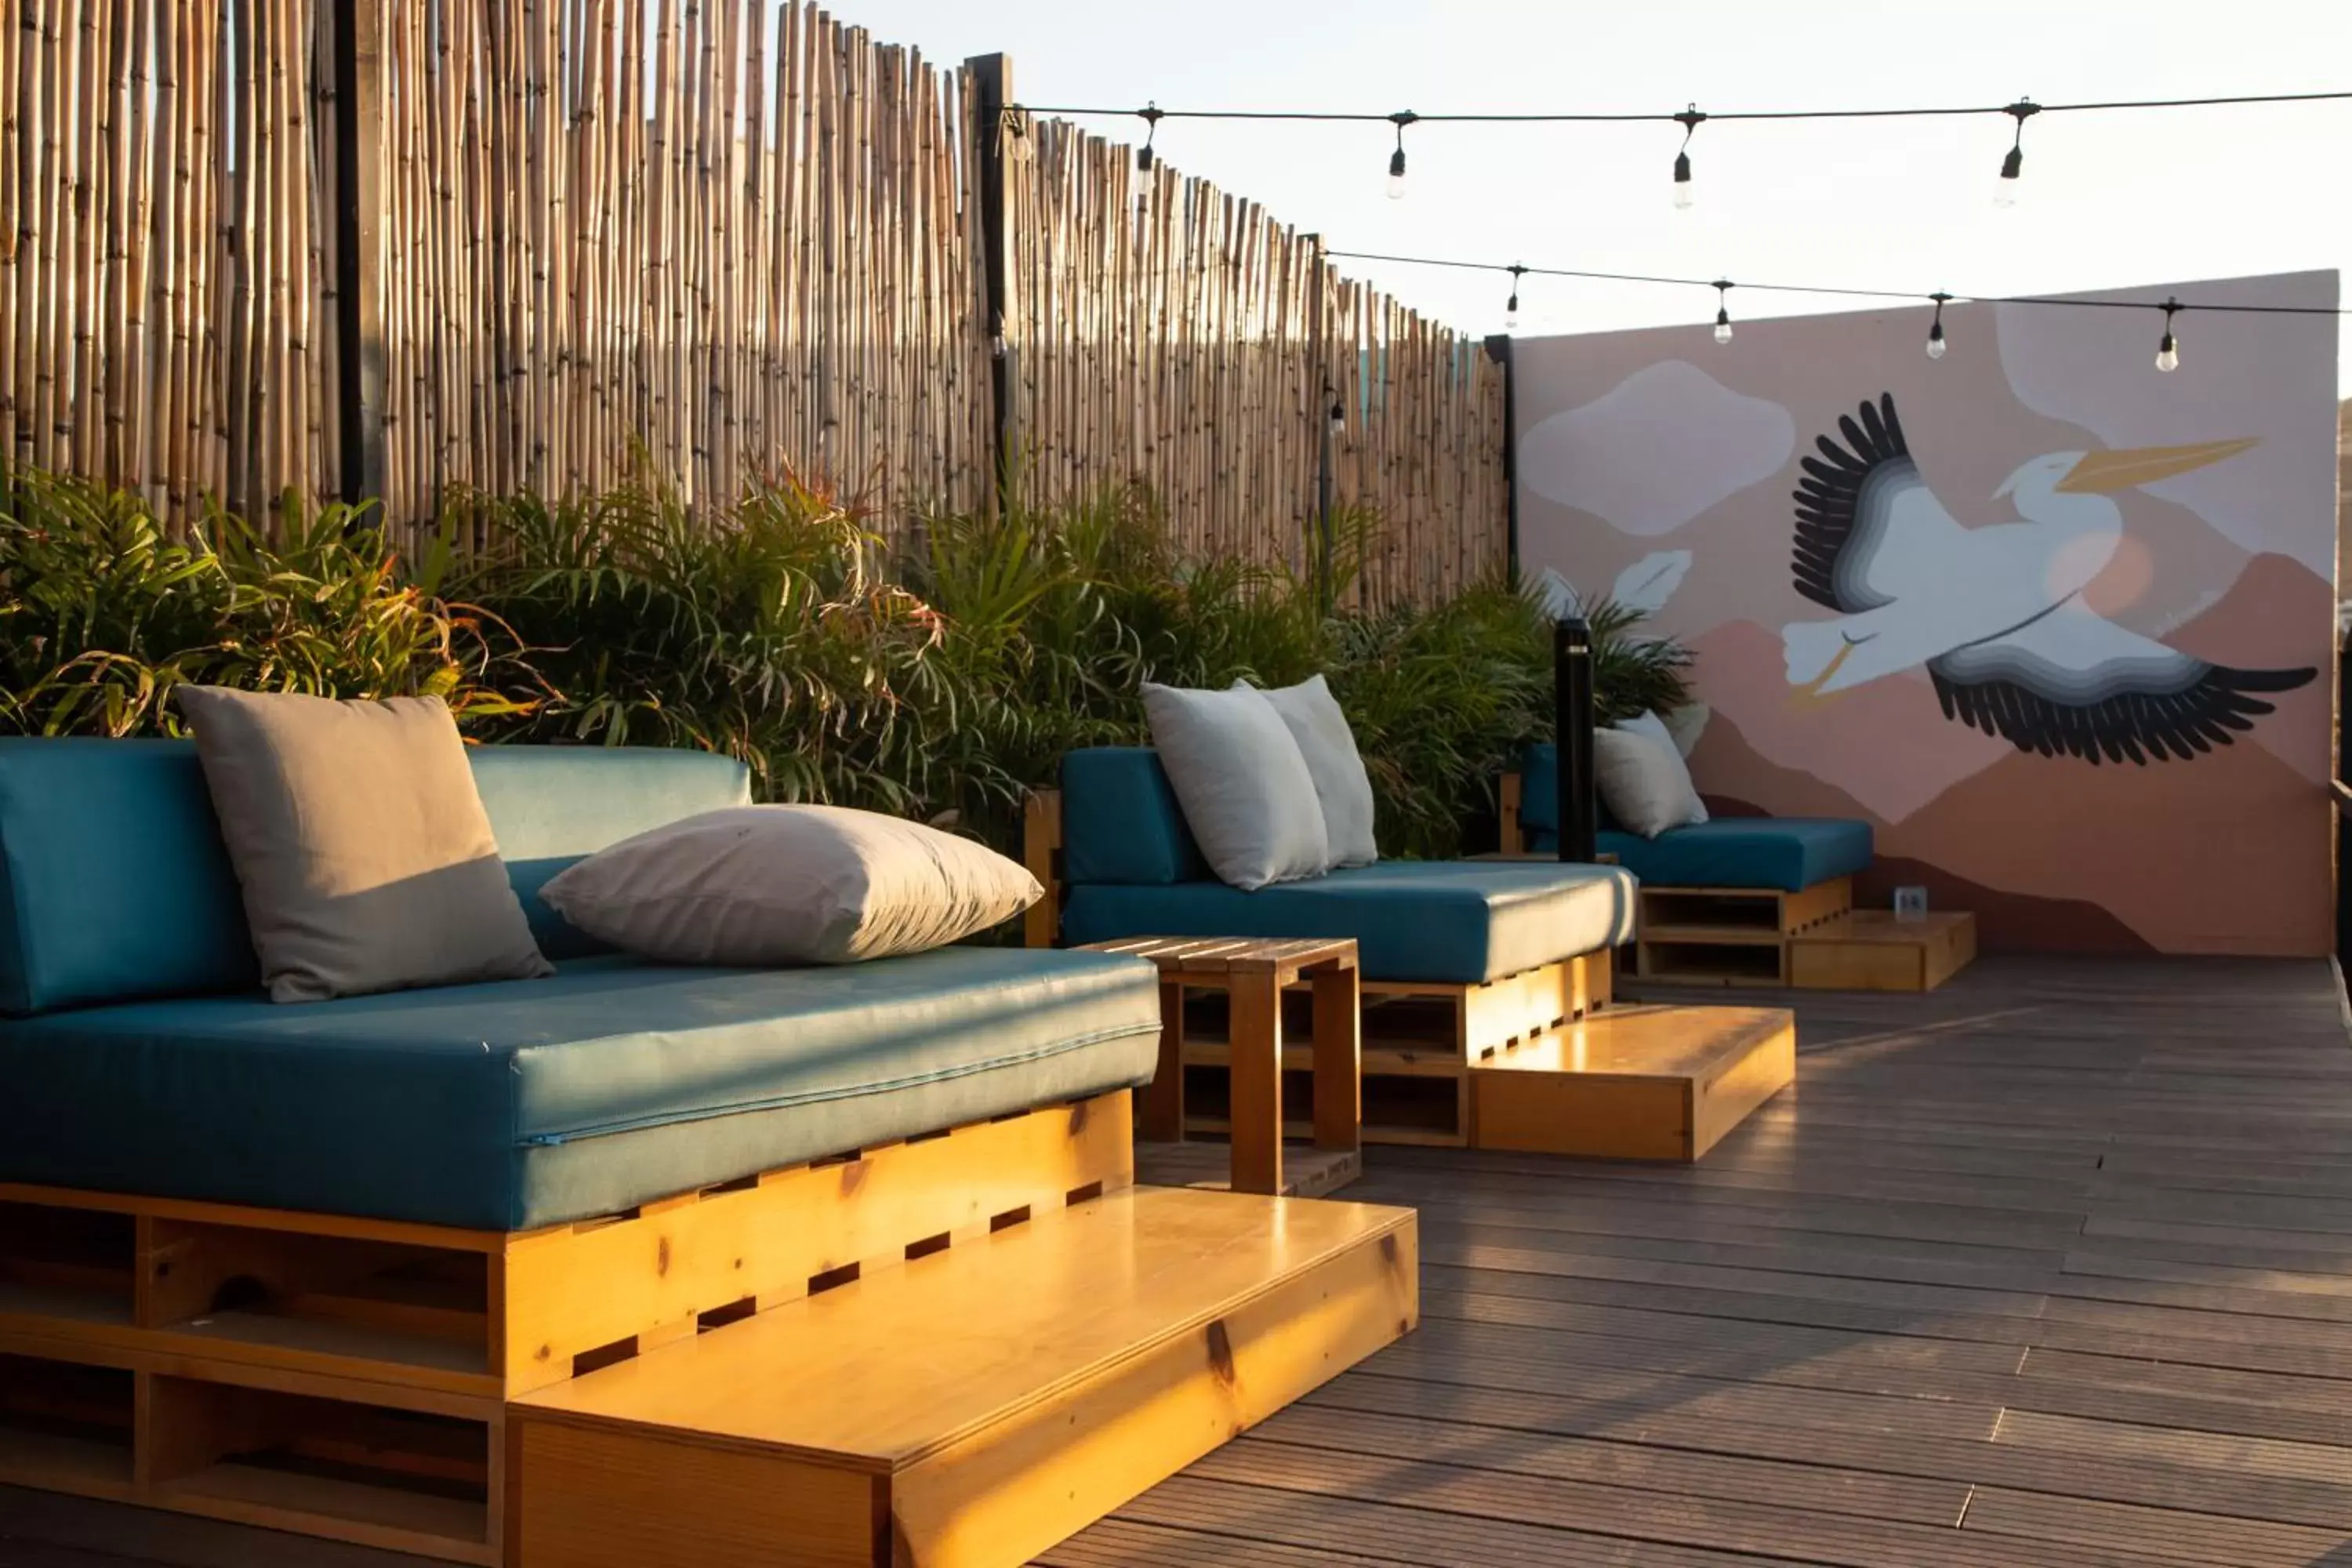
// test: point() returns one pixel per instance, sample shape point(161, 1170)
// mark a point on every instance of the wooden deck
point(2052, 1266)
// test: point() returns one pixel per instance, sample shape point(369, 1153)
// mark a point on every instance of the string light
point(2004, 194)
point(1339, 417)
point(1690, 119)
point(1402, 119)
point(1151, 117)
point(1511, 310)
point(2168, 352)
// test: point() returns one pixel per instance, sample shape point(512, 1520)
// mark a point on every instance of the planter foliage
point(939, 683)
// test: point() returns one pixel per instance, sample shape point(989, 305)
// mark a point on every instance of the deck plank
point(2053, 1265)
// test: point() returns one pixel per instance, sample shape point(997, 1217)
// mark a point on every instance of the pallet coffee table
point(1253, 973)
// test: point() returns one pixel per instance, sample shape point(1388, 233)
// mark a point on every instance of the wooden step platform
point(971, 1407)
point(1870, 950)
point(1635, 1083)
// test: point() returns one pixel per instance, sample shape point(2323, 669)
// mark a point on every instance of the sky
point(2106, 201)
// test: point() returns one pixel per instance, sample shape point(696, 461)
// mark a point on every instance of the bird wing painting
point(1995, 614)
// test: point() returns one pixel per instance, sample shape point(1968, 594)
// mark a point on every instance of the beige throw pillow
point(1641, 780)
point(366, 860)
point(759, 885)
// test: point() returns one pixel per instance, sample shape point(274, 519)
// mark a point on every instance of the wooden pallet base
point(1730, 936)
point(1870, 950)
point(972, 1409)
point(1418, 1043)
point(348, 1378)
point(1635, 1083)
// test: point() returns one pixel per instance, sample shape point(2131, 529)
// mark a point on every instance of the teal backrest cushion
point(1539, 794)
point(117, 884)
point(114, 883)
point(551, 805)
point(1121, 822)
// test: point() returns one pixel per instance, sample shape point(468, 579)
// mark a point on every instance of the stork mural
point(1995, 614)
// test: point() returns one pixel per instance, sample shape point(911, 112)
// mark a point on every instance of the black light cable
point(1570, 117)
point(2167, 355)
point(1915, 296)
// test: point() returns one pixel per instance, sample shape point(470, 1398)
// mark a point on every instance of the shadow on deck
point(2051, 1266)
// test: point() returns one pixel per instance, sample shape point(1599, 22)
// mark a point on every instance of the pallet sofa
point(1723, 902)
point(618, 1266)
point(1750, 900)
point(1482, 983)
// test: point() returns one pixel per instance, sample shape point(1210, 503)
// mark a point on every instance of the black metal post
point(991, 77)
point(359, 311)
point(1498, 349)
point(1572, 732)
point(1325, 411)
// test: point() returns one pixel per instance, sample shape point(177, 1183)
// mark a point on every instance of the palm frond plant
point(102, 612)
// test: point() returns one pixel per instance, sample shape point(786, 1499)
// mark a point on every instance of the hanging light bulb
point(2167, 350)
point(1339, 418)
point(1936, 328)
point(1402, 119)
point(1723, 312)
point(1151, 115)
point(2004, 192)
point(1685, 192)
point(1511, 310)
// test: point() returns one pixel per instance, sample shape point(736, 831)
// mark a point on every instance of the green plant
point(767, 631)
point(102, 613)
point(940, 684)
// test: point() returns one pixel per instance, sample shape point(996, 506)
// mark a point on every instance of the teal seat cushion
point(1789, 853)
point(1447, 921)
point(506, 1106)
point(1121, 822)
point(114, 883)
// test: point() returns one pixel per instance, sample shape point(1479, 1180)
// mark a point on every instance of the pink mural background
point(1662, 468)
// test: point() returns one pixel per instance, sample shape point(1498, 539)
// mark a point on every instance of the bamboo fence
point(164, 253)
point(707, 240)
point(714, 237)
point(1166, 334)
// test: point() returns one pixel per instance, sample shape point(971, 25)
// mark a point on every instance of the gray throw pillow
point(1642, 781)
point(365, 858)
point(1244, 784)
point(762, 886)
point(1341, 786)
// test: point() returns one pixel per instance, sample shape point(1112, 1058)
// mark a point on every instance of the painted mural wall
point(2060, 627)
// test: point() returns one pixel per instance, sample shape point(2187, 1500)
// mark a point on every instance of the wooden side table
point(1253, 973)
